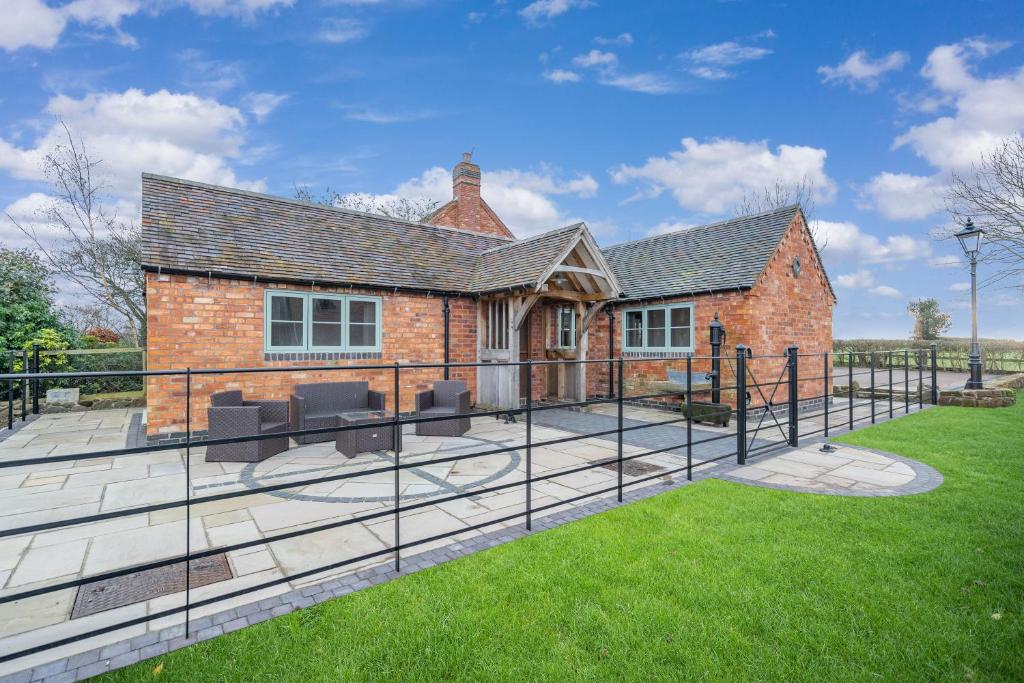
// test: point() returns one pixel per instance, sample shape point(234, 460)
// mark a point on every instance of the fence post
point(188, 496)
point(794, 395)
point(935, 373)
point(529, 447)
point(920, 379)
point(906, 381)
point(849, 389)
point(689, 418)
point(396, 441)
point(610, 311)
point(741, 404)
point(35, 382)
point(890, 385)
point(826, 395)
point(10, 391)
point(621, 392)
point(24, 382)
point(717, 339)
point(872, 387)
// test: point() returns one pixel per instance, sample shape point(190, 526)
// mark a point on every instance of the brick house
point(236, 279)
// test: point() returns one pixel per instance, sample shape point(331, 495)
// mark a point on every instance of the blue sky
point(633, 117)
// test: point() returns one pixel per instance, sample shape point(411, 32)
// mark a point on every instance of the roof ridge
point(573, 226)
point(316, 205)
point(705, 226)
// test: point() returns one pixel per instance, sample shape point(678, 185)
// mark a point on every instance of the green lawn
point(716, 581)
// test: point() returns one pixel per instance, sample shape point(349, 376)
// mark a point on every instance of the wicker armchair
point(448, 397)
point(231, 416)
point(315, 406)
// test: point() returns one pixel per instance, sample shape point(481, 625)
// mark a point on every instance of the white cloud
point(209, 76)
point(34, 23)
point(960, 287)
point(648, 83)
point(845, 241)
point(539, 11)
point(596, 58)
point(864, 280)
point(26, 211)
point(475, 17)
point(621, 39)
point(987, 109)
point(523, 199)
point(337, 30)
point(902, 196)
point(261, 104)
point(236, 8)
point(859, 70)
point(384, 118)
point(562, 76)
point(713, 176)
point(711, 62)
point(175, 134)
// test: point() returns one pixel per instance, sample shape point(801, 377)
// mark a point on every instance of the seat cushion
point(268, 427)
point(438, 410)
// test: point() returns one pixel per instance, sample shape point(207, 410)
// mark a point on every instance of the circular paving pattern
point(252, 480)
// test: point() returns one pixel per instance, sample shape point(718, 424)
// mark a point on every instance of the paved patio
point(47, 492)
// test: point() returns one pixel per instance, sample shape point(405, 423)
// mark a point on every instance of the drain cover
point(99, 596)
point(633, 468)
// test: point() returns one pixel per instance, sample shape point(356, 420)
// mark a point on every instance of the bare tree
point(992, 195)
point(782, 194)
point(96, 249)
point(414, 210)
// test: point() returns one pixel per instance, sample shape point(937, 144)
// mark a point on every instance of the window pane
point(655, 337)
point(362, 335)
point(362, 312)
point(680, 317)
point(634, 320)
point(656, 318)
point(681, 337)
point(326, 334)
point(634, 329)
point(286, 308)
point(634, 338)
point(286, 334)
point(326, 310)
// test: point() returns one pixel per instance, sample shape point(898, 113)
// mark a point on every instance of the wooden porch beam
point(524, 310)
point(570, 295)
point(593, 272)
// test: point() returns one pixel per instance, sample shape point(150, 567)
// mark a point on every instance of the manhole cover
point(99, 596)
point(633, 468)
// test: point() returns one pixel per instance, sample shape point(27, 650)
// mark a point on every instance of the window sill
point(321, 355)
point(656, 354)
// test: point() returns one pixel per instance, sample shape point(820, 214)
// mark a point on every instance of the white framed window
point(317, 321)
point(658, 328)
point(565, 327)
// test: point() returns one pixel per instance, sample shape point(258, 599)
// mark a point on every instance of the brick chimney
point(467, 210)
point(466, 191)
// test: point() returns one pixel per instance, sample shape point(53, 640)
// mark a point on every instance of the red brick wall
point(780, 310)
point(217, 323)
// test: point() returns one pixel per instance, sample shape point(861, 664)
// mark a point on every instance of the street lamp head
point(970, 238)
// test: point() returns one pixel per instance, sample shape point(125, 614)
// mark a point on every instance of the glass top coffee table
point(377, 435)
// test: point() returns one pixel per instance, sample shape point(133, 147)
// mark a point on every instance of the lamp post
point(717, 341)
point(970, 240)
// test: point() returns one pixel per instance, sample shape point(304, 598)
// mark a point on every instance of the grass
point(716, 581)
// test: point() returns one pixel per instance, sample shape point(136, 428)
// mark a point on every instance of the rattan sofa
point(316, 406)
point(448, 397)
point(231, 416)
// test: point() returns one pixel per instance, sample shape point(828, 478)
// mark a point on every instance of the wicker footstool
point(378, 435)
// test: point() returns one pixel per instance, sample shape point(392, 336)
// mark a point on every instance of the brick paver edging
point(925, 479)
point(157, 643)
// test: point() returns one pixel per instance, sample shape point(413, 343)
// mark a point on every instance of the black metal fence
point(775, 396)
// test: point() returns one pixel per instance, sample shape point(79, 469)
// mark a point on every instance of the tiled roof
point(199, 228)
point(522, 262)
point(195, 227)
point(726, 255)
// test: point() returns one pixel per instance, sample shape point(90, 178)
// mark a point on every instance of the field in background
point(998, 355)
